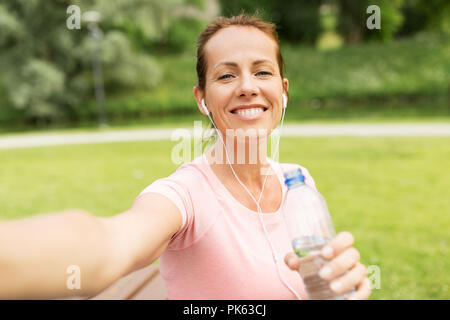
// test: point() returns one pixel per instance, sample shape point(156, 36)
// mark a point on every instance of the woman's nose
point(247, 86)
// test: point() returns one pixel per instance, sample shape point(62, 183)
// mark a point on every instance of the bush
point(183, 33)
point(297, 21)
point(353, 17)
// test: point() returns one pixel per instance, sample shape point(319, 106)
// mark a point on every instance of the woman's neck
point(249, 162)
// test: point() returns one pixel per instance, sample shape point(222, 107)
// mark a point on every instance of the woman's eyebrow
point(261, 61)
point(234, 64)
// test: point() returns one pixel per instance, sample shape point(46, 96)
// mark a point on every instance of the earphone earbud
point(204, 107)
point(284, 100)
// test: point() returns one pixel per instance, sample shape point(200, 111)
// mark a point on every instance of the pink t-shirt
point(221, 251)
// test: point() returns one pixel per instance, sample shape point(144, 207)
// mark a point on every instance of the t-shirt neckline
point(275, 167)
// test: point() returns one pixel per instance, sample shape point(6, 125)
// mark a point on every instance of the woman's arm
point(35, 253)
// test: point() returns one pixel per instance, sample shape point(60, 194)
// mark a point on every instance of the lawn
point(391, 193)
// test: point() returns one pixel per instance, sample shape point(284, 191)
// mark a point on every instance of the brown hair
point(223, 22)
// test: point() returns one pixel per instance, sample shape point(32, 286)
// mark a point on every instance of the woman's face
point(243, 84)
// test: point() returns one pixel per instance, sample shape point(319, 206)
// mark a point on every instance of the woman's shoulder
point(186, 176)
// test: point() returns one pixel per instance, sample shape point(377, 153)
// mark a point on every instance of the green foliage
point(10, 26)
point(151, 17)
point(425, 15)
point(411, 74)
point(353, 17)
point(46, 69)
point(297, 21)
point(183, 33)
point(200, 4)
point(418, 65)
point(157, 27)
point(44, 82)
point(398, 18)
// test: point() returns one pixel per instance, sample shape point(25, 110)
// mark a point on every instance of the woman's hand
point(342, 257)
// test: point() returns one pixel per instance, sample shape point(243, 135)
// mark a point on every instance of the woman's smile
point(249, 112)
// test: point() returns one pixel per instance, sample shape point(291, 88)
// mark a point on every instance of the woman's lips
point(249, 113)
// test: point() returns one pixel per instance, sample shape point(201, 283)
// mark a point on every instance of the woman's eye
point(225, 76)
point(263, 73)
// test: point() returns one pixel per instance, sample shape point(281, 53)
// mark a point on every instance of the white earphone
point(283, 96)
point(204, 107)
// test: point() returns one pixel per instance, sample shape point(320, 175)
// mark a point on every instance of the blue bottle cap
point(294, 177)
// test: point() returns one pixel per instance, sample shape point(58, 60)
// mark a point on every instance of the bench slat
point(128, 286)
point(155, 289)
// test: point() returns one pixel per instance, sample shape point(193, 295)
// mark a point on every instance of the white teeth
point(249, 112)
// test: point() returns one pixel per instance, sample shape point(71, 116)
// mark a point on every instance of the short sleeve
point(179, 196)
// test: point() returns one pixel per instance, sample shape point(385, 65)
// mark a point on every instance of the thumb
point(292, 261)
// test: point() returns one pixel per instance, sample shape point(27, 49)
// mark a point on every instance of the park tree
point(419, 15)
point(45, 67)
point(353, 17)
point(297, 21)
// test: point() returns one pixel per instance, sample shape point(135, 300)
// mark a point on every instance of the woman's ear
point(199, 96)
point(286, 89)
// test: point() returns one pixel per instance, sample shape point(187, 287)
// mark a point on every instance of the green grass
point(391, 193)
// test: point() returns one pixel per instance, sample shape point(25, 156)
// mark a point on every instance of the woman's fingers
point(292, 261)
point(355, 278)
point(338, 245)
point(362, 292)
point(345, 261)
point(351, 279)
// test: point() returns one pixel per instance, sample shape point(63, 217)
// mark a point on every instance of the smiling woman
point(203, 221)
point(240, 73)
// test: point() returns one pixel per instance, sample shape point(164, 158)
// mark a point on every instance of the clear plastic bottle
point(310, 227)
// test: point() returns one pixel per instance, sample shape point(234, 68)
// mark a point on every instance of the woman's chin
point(249, 131)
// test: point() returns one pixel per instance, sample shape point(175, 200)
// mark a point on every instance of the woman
point(202, 221)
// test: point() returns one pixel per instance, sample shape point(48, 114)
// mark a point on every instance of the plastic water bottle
point(310, 227)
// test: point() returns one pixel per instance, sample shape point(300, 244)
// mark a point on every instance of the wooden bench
point(143, 284)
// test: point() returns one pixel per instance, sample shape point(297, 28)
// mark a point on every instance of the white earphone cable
point(274, 253)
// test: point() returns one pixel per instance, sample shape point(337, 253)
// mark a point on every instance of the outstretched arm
point(35, 253)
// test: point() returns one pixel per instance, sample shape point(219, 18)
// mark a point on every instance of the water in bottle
point(310, 227)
